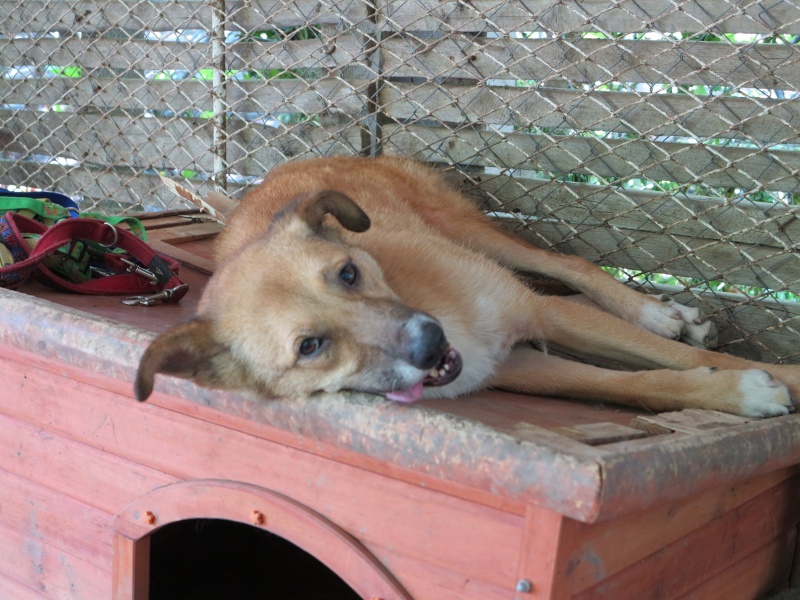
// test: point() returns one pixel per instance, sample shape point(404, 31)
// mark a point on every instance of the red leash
point(140, 270)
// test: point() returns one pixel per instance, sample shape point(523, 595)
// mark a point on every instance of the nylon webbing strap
point(139, 270)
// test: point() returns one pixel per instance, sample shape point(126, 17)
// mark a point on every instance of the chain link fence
point(657, 138)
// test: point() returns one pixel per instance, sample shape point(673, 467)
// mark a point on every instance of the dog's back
point(396, 193)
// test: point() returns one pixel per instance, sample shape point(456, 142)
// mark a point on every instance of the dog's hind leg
point(751, 392)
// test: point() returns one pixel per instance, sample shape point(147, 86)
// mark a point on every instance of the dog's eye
point(310, 346)
point(349, 274)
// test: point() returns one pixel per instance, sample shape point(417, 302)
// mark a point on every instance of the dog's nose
point(426, 342)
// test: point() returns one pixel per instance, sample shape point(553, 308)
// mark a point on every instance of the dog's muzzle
point(427, 350)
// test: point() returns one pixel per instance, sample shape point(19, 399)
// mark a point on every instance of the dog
point(375, 275)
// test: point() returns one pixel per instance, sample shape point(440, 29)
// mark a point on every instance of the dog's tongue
point(410, 394)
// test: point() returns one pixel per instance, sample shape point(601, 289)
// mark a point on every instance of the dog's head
point(300, 311)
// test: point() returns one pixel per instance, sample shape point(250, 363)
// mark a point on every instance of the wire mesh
point(658, 139)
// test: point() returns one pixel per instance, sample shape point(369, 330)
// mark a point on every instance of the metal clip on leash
point(150, 299)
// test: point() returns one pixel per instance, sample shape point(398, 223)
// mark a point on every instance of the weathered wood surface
point(697, 217)
point(326, 53)
point(59, 575)
point(11, 588)
point(129, 432)
point(627, 16)
point(758, 575)
point(633, 477)
point(685, 62)
point(761, 119)
point(166, 142)
point(705, 260)
point(84, 15)
point(114, 138)
point(623, 542)
point(620, 17)
point(278, 514)
point(134, 94)
point(256, 14)
point(67, 17)
point(739, 532)
point(714, 166)
point(110, 53)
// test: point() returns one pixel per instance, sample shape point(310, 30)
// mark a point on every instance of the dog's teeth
point(446, 367)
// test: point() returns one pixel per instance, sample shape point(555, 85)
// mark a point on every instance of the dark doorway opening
point(201, 559)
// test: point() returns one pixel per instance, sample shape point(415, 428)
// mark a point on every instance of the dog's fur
point(348, 273)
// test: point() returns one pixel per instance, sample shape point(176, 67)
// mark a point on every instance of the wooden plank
point(737, 220)
point(136, 141)
point(547, 539)
point(110, 53)
point(276, 513)
point(425, 580)
point(64, 523)
point(189, 232)
point(149, 434)
point(185, 257)
point(760, 119)
point(596, 434)
point(525, 416)
point(758, 575)
point(705, 552)
point(254, 15)
point(684, 163)
point(255, 150)
point(68, 17)
point(10, 588)
point(626, 16)
point(346, 98)
point(270, 96)
point(131, 573)
point(637, 470)
point(692, 420)
point(706, 260)
point(331, 51)
point(56, 462)
point(111, 93)
point(610, 547)
point(55, 572)
point(588, 61)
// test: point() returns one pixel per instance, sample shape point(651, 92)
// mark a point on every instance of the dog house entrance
point(215, 558)
point(225, 539)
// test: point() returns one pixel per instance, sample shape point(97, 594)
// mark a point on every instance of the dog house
point(657, 139)
point(491, 496)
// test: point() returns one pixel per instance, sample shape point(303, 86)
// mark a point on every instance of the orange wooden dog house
point(495, 496)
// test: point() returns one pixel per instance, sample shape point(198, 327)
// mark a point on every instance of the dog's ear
point(349, 214)
point(190, 351)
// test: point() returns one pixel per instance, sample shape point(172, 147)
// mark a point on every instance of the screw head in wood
point(257, 517)
point(524, 586)
point(149, 518)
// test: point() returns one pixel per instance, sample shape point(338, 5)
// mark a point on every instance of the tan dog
point(407, 290)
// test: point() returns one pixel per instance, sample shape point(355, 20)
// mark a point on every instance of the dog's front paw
point(762, 395)
point(665, 317)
